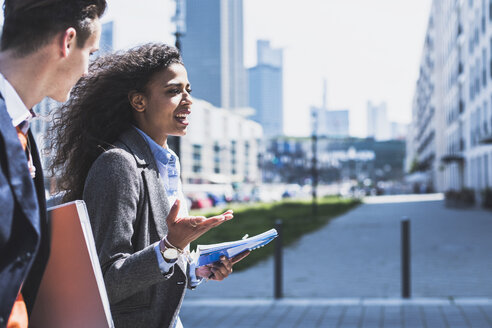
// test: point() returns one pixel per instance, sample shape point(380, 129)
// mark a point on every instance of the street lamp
point(179, 20)
point(314, 167)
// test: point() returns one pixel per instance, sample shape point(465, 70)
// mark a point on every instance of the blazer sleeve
point(113, 193)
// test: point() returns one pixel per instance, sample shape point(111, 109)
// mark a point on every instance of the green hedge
point(253, 219)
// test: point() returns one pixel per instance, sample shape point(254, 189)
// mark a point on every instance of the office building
point(398, 131)
point(378, 126)
point(452, 136)
point(427, 145)
point(221, 147)
point(289, 160)
point(331, 123)
point(266, 89)
point(106, 43)
point(212, 49)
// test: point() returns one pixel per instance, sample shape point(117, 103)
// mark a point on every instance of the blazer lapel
point(19, 177)
point(159, 203)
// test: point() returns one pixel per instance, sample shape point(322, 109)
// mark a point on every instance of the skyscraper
point(212, 50)
point(265, 89)
point(106, 43)
point(378, 126)
point(332, 123)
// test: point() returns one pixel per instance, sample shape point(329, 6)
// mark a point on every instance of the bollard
point(277, 292)
point(405, 257)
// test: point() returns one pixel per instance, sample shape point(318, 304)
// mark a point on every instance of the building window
point(197, 158)
point(477, 77)
point(233, 157)
point(472, 126)
point(490, 11)
point(484, 123)
point(471, 82)
point(480, 182)
point(470, 40)
point(216, 158)
point(491, 57)
point(484, 67)
point(486, 170)
point(490, 112)
point(483, 16)
point(246, 159)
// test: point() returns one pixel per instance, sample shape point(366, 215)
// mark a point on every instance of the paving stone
point(352, 316)
point(314, 315)
point(475, 316)
point(333, 316)
point(372, 317)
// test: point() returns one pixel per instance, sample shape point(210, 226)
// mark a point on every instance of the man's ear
point(137, 100)
point(68, 41)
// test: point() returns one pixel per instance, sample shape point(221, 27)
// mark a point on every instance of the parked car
point(216, 200)
point(200, 200)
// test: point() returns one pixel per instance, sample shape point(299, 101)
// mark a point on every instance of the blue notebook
point(207, 254)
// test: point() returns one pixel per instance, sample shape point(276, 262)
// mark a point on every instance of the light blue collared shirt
point(169, 172)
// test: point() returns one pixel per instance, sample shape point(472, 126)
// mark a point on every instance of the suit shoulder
point(114, 161)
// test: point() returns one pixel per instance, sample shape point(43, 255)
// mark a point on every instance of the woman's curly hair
point(99, 110)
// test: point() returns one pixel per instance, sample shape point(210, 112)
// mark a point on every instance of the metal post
point(278, 262)
point(314, 166)
point(179, 19)
point(405, 258)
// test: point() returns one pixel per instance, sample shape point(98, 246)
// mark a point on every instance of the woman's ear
point(137, 100)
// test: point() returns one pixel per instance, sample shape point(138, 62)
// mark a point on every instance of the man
point(45, 49)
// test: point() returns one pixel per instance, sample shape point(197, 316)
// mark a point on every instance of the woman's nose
point(187, 97)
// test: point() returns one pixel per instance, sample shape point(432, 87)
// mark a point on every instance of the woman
point(111, 141)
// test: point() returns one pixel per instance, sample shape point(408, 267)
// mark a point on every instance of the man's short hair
point(31, 24)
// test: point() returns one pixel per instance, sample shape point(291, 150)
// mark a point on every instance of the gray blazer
point(128, 208)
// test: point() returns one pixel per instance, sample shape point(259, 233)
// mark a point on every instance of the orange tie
point(18, 316)
point(22, 137)
point(22, 130)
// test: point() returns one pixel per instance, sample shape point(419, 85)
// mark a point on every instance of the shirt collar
point(161, 154)
point(15, 107)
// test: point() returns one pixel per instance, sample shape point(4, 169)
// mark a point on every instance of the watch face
point(170, 254)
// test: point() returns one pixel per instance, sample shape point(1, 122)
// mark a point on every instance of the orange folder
point(72, 292)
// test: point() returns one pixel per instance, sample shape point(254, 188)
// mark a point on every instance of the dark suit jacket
point(23, 226)
point(128, 208)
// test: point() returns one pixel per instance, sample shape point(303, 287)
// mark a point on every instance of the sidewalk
point(347, 274)
point(358, 255)
point(311, 313)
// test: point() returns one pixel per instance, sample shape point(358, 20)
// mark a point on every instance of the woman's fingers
point(239, 257)
point(172, 217)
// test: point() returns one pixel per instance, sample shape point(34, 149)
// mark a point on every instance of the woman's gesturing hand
point(182, 231)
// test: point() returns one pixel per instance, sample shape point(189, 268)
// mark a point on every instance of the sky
point(367, 50)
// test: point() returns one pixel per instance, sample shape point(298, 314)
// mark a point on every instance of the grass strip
point(253, 219)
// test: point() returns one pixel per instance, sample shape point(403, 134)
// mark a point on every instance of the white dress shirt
point(15, 107)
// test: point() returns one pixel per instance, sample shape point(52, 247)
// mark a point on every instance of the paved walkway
point(343, 313)
point(358, 255)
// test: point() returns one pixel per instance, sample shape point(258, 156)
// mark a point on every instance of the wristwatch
point(170, 255)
